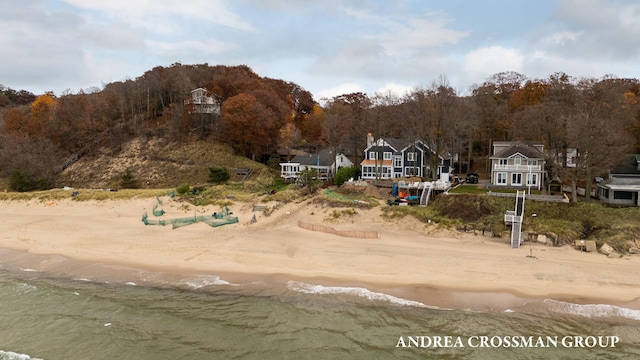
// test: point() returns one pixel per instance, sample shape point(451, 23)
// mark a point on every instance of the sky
point(328, 47)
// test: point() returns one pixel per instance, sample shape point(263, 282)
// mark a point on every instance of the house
point(623, 185)
point(200, 103)
point(517, 165)
point(325, 162)
point(390, 158)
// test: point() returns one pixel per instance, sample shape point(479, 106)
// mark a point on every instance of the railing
point(289, 174)
point(528, 168)
point(510, 217)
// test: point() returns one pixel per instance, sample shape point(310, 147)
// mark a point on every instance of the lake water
point(46, 316)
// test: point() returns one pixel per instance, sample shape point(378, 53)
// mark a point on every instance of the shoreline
point(408, 260)
point(425, 294)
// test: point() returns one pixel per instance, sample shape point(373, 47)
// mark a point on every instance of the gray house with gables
point(622, 188)
point(518, 165)
point(391, 158)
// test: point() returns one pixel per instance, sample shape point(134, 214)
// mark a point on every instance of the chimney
point(370, 139)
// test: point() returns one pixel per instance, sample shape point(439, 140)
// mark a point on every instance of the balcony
point(523, 168)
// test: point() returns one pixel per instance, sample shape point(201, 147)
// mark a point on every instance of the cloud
point(160, 14)
point(398, 90)
point(413, 34)
point(185, 48)
point(346, 88)
point(481, 63)
point(594, 29)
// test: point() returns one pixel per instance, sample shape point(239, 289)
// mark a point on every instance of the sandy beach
point(408, 259)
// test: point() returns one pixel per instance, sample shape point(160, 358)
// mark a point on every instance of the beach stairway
point(426, 194)
point(515, 218)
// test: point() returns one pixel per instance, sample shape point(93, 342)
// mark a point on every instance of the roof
point(376, 162)
point(292, 152)
point(622, 183)
point(400, 144)
point(397, 144)
point(630, 167)
point(324, 158)
point(525, 150)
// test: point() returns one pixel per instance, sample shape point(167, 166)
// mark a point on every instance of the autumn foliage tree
point(249, 126)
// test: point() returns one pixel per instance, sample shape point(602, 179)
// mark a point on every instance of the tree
point(290, 138)
point(128, 180)
point(42, 112)
point(344, 174)
point(495, 116)
point(308, 178)
point(218, 175)
point(597, 127)
point(21, 181)
point(351, 112)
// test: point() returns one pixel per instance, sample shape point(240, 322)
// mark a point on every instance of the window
point(373, 155)
point(532, 179)
point(410, 171)
point(411, 156)
point(383, 172)
point(367, 172)
point(397, 161)
point(386, 156)
point(623, 195)
point(517, 160)
point(532, 162)
point(501, 178)
point(516, 179)
point(503, 162)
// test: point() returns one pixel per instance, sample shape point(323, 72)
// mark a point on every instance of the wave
point(205, 280)
point(355, 291)
point(592, 310)
point(10, 355)
point(23, 288)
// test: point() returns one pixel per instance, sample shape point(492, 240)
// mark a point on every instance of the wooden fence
point(345, 233)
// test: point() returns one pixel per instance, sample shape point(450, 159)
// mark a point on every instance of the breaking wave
point(10, 355)
point(591, 310)
point(355, 291)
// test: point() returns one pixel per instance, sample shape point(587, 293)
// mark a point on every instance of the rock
point(542, 239)
point(614, 255)
point(634, 250)
point(606, 249)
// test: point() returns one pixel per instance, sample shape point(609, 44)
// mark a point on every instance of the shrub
point(21, 181)
point(128, 181)
point(468, 208)
point(182, 189)
point(218, 175)
point(345, 173)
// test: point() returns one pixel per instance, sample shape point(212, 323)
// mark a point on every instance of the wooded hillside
point(41, 136)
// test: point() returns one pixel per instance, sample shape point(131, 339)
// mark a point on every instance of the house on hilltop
point(200, 103)
point(325, 163)
point(391, 158)
point(623, 185)
point(518, 165)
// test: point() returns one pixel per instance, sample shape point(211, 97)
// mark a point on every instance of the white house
point(200, 103)
point(325, 162)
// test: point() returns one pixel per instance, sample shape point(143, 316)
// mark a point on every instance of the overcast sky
point(329, 47)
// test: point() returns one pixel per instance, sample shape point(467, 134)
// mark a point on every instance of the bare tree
point(597, 127)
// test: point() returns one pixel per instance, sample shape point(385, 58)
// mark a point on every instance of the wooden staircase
point(516, 220)
point(426, 194)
